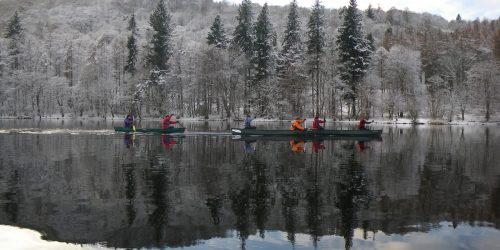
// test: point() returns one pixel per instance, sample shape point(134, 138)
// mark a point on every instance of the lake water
point(80, 185)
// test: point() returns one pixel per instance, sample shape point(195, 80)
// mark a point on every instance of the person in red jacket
point(362, 123)
point(167, 121)
point(316, 123)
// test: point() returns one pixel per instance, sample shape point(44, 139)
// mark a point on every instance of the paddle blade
point(133, 128)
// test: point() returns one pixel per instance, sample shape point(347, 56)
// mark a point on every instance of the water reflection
point(205, 191)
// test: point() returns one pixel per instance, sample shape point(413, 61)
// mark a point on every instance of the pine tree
point(291, 59)
point(354, 52)
point(262, 57)
point(217, 35)
point(369, 12)
point(459, 18)
point(263, 45)
point(243, 38)
point(243, 35)
point(14, 32)
point(131, 47)
point(315, 49)
point(160, 49)
point(68, 64)
point(371, 42)
point(292, 44)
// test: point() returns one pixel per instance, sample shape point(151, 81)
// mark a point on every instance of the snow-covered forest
point(200, 58)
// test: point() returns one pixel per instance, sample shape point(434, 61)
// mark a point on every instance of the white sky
point(468, 9)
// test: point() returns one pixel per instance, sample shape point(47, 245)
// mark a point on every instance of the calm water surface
point(80, 185)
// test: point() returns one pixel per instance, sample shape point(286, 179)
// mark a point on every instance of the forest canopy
point(199, 58)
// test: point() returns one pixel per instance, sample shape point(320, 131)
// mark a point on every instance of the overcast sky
point(468, 9)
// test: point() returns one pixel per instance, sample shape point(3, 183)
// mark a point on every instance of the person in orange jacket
point(296, 125)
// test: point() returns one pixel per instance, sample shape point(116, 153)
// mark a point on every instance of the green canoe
point(307, 133)
point(151, 130)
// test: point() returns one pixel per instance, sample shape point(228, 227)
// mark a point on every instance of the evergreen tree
point(262, 57)
point(132, 25)
point(369, 12)
point(68, 64)
point(160, 49)
point(371, 42)
point(263, 45)
point(315, 49)
point(131, 47)
point(292, 45)
point(354, 52)
point(459, 18)
point(217, 35)
point(290, 60)
point(14, 32)
point(244, 33)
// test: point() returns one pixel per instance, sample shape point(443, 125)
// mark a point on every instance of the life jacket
point(361, 124)
point(316, 123)
point(296, 125)
point(166, 122)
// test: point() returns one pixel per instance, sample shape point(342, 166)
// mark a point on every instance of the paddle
point(133, 124)
point(180, 124)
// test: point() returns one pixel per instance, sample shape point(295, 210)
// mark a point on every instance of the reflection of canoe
point(151, 130)
point(307, 133)
point(305, 138)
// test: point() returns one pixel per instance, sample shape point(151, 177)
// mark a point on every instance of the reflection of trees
point(11, 207)
point(445, 180)
point(352, 193)
point(314, 201)
point(214, 205)
point(240, 205)
point(289, 203)
point(130, 189)
point(158, 219)
point(252, 198)
point(260, 196)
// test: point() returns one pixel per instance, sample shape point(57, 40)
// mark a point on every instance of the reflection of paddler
point(317, 145)
point(167, 141)
point(361, 145)
point(128, 140)
point(248, 148)
point(297, 146)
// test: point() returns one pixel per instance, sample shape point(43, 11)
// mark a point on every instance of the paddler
point(167, 121)
point(296, 124)
point(129, 120)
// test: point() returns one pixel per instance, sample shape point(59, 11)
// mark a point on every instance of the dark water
point(80, 185)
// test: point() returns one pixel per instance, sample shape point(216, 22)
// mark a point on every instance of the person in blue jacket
point(129, 120)
point(248, 122)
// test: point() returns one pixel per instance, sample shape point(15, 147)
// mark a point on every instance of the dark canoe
point(307, 133)
point(151, 130)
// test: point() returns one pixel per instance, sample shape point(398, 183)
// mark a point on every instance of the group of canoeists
point(166, 122)
point(247, 124)
point(297, 123)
